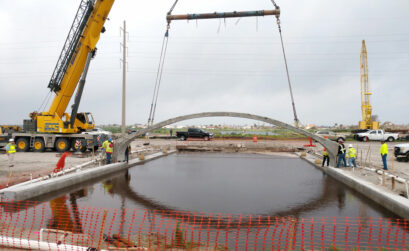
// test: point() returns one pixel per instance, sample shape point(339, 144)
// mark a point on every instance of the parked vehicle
point(377, 135)
point(406, 137)
point(355, 132)
point(5, 136)
point(99, 131)
point(132, 131)
point(194, 133)
point(402, 150)
point(331, 135)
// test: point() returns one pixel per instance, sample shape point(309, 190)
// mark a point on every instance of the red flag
point(61, 162)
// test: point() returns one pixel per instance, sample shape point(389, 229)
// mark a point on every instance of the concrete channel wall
point(35, 189)
point(395, 203)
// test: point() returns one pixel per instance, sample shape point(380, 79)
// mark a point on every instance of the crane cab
point(84, 121)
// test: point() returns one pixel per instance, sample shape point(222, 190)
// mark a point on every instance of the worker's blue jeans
point(127, 155)
point(385, 165)
point(341, 157)
point(351, 161)
point(108, 160)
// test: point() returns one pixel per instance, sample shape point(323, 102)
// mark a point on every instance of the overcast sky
point(216, 65)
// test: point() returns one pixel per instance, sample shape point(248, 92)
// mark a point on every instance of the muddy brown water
point(234, 184)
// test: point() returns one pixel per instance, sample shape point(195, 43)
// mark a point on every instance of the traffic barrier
point(62, 224)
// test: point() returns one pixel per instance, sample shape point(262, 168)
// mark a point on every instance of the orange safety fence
point(55, 225)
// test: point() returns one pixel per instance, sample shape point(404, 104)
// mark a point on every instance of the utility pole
point(123, 128)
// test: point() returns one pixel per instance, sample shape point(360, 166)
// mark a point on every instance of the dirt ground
point(40, 164)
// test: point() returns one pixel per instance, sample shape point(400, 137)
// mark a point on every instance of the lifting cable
point(296, 121)
point(160, 70)
point(162, 61)
point(45, 102)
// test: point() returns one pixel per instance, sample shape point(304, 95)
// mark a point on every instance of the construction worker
point(384, 154)
point(104, 146)
point(325, 157)
point(109, 150)
point(341, 153)
point(11, 150)
point(127, 151)
point(351, 155)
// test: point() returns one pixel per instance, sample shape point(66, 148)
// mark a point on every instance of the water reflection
point(285, 196)
point(61, 214)
point(170, 183)
point(331, 194)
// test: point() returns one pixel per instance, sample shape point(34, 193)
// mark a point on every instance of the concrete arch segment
point(123, 142)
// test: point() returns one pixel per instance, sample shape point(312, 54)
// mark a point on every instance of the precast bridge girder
point(122, 143)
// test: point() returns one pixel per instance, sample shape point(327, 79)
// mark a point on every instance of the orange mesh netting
point(55, 224)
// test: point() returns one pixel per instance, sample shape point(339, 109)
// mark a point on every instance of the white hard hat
point(11, 140)
point(350, 145)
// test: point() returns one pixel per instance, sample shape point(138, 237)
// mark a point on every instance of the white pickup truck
point(377, 135)
point(402, 150)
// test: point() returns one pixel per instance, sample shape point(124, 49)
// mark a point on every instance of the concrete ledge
point(395, 203)
point(31, 190)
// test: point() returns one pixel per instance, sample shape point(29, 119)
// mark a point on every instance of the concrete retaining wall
point(31, 190)
point(395, 203)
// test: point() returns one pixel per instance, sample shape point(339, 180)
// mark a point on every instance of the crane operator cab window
point(81, 117)
point(90, 118)
point(85, 118)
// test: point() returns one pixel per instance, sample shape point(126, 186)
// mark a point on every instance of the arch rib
point(123, 142)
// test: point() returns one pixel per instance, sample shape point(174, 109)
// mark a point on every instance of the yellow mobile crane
point(366, 107)
point(55, 128)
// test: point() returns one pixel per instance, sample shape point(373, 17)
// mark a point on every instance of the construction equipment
point(9, 128)
point(6, 133)
point(55, 128)
point(366, 108)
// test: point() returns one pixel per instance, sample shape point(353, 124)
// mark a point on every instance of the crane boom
point(74, 35)
point(73, 62)
point(366, 107)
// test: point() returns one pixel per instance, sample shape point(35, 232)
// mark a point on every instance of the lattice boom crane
point(366, 107)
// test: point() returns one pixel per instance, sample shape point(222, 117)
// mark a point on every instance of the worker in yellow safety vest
point(104, 147)
point(351, 155)
point(109, 150)
point(384, 154)
point(11, 150)
point(325, 157)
